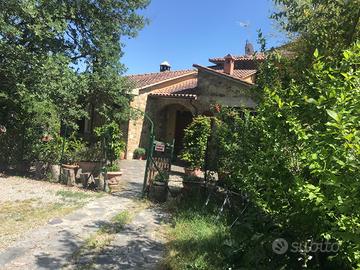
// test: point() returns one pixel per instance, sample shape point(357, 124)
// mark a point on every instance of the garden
point(265, 189)
point(288, 174)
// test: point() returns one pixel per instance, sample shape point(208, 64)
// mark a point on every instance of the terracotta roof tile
point(239, 73)
point(186, 89)
point(148, 79)
point(258, 56)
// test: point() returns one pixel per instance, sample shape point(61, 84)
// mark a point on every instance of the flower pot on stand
point(68, 173)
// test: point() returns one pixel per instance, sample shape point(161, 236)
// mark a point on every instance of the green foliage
point(195, 142)
point(197, 239)
point(111, 138)
point(298, 159)
point(56, 66)
point(163, 177)
point(113, 168)
point(92, 153)
point(73, 149)
point(327, 25)
point(139, 152)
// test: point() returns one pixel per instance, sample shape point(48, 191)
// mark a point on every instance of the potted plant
point(139, 153)
point(112, 145)
point(90, 159)
point(195, 143)
point(159, 189)
point(71, 155)
point(113, 174)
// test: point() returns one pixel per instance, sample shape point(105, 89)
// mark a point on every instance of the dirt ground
point(26, 204)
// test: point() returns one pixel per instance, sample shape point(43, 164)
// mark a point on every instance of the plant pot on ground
point(139, 153)
point(113, 177)
point(158, 191)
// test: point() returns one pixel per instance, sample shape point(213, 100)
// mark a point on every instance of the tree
point(299, 158)
point(63, 53)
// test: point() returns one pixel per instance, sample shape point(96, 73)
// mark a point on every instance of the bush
point(298, 159)
point(139, 152)
point(111, 137)
point(195, 142)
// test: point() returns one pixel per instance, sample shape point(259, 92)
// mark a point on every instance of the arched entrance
point(171, 122)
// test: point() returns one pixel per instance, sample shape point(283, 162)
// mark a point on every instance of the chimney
point(249, 48)
point(229, 64)
point(165, 66)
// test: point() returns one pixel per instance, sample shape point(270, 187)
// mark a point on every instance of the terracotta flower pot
point(114, 177)
point(113, 180)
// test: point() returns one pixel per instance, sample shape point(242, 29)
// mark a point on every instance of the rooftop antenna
point(246, 25)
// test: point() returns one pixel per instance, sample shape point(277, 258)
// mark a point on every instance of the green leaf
point(333, 115)
point(316, 53)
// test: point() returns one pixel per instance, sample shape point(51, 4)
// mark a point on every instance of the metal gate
point(158, 162)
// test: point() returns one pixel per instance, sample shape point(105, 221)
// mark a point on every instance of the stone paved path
point(138, 246)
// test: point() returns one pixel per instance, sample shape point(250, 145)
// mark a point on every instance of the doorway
point(183, 119)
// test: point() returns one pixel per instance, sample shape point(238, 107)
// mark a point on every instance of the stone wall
point(212, 89)
point(138, 129)
point(215, 89)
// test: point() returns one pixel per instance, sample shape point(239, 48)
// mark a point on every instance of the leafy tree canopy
point(64, 53)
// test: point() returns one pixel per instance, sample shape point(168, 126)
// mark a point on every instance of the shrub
point(195, 142)
point(111, 138)
point(139, 152)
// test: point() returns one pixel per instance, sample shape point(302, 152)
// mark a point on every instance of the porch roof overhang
point(182, 96)
point(185, 89)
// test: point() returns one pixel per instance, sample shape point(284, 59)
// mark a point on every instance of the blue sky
point(185, 32)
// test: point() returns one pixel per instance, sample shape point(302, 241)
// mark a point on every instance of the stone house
point(172, 98)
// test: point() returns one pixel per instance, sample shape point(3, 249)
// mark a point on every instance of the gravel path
point(139, 246)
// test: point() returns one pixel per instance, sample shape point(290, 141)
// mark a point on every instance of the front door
point(183, 119)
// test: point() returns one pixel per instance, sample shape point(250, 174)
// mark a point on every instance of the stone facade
point(211, 89)
point(138, 129)
point(214, 89)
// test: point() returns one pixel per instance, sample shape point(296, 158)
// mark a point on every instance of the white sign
point(160, 147)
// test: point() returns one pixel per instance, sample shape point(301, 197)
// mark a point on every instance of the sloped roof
point(184, 89)
point(238, 73)
point(149, 79)
point(258, 56)
point(235, 76)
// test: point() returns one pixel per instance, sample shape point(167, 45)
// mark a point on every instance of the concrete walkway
point(138, 246)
